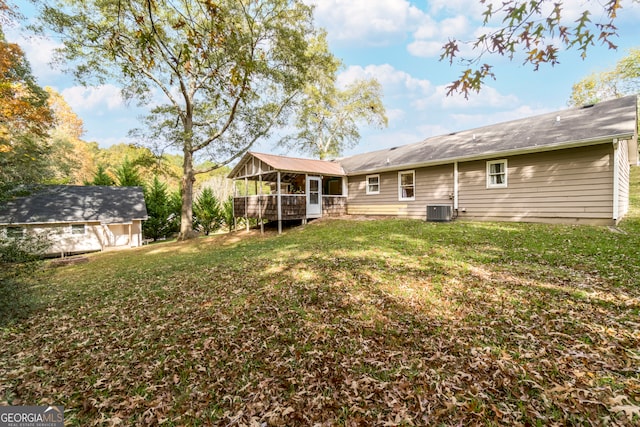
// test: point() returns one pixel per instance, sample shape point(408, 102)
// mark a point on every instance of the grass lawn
point(390, 322)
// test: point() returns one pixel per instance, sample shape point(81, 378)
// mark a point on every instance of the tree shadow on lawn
point(19, 296)
point(407, 325)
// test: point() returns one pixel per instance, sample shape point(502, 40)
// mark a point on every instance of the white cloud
point(39, 52)
point(366, 21)
point(468, 7)
point(488, 97)
point(393, 81)
point(93, 98)
point(425, 48)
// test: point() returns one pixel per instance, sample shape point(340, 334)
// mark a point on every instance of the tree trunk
point(188, 178)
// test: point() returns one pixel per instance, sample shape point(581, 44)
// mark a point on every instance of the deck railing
point(294, 206)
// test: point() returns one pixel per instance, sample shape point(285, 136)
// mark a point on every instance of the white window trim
point(367, 184)
point(506, 173)
point(406, 199)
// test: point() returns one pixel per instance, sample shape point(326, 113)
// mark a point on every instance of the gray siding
point(433, 185)
point(571, 185)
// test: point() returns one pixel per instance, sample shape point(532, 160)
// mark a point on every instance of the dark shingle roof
point(69, 203)
point(600, 122)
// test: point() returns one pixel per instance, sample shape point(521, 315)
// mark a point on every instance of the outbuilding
point(77, 219)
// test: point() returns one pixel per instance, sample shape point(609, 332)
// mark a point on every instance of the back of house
point(570, 166)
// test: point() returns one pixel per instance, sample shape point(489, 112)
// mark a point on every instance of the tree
point(72, 159)
point(328, 117)
point(228, 70)
point(158, 209)
point(207, 211)
point(534, 29)
point(623, 79)
point(227, 213)
point(127, 174)
point(25, 118)
point(101, 177)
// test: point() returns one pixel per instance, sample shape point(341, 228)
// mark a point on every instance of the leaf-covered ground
point(391, 322)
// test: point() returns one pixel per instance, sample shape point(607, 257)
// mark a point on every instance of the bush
point(28, 248)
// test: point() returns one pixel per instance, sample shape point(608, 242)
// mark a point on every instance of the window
point(373, 184)
point(497, 174)
point(77, 229)
point(15, 232)
point(407, 185)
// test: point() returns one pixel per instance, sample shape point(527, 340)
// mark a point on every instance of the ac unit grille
point(439, 213)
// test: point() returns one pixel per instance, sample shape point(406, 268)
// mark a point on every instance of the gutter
point(494, 154)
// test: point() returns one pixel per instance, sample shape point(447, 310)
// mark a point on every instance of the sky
point(399, 43)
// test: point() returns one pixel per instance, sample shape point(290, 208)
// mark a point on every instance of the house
point(78, 218)
point(570, 166)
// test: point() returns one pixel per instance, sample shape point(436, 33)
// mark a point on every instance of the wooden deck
point(294, 206)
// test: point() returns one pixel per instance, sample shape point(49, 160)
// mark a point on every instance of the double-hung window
point(373, 184)
point(406, 185)
point(497, 174)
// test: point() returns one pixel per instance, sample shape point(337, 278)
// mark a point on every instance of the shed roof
point(291, 164)
point(586, 125)
point(74, 203)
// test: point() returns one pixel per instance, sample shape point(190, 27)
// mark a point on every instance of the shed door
point(314, 197)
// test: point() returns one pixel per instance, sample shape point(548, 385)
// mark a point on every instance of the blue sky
point(398, 42)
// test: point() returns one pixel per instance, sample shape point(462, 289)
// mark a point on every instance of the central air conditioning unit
point(440, 213)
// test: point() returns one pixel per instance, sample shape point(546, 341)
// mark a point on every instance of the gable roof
point(572, 127)
point(74, 203)
point(290, 164)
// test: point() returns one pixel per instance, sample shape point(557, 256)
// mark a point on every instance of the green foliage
point(127, 175)
point(25, 249)
point(534, 31)
point(101, 177)
point(175, 210)
point(159, 211)
point(228, 218)
point(26, 163)
point(207, 212)
point(621, 80)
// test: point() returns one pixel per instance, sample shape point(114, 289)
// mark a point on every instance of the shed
point(78, 219)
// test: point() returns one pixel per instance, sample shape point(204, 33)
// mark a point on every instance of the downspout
point(455, 188)
point(616, 181)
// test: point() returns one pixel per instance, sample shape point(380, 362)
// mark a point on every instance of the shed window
point(497, 174)
point(373, 184)
point(407, 185)
point(15, 232)
point(77, 229)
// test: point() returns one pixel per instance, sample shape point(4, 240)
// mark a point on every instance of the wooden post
point(246, 201)
point(279, 205)
point(260, 204)
point(235, 194)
